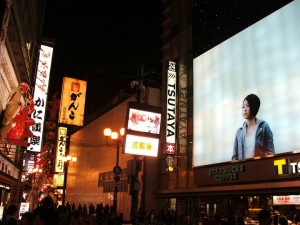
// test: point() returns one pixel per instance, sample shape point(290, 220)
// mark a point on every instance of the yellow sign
point(61, 149)
point(139, 145)
point(58, 180)
point(72, 101)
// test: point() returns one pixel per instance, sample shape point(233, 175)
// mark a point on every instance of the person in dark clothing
point(283, 220)
point(264, 217)
point(275, 219)
point(46, 213)
point(27, 218)
point(42, 216)
point(91, 209)
point(10, 216)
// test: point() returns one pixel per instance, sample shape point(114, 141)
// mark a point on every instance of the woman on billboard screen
point(254, 138)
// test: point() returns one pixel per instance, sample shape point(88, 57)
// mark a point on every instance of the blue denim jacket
point(264, 144)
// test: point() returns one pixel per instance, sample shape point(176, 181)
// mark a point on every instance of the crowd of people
point(48, 213)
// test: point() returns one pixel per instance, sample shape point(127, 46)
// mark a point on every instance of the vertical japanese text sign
point(60, 149)
point(72, 101)
point(40, 97)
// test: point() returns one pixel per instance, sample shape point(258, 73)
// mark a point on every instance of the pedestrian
point(46, 213)
point(91, 209)
point(283, 220)
point(11, 215)
point(41, 216)
point(80, 208)
point(76, 218)
point(73, 206)
point(240, 220)
point(63, 215)
point(264, 217)
point(151, 216)
point(84, 210)
point(275, 219)
point(68, 207)
point(27, 218)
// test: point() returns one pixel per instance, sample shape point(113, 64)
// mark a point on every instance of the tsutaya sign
point(284, 166)
point(171, 109)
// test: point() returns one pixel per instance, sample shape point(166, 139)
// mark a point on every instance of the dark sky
point(100, 41)
point(110, 37)
point(214, 21)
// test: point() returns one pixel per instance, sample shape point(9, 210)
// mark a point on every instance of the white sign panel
point(40, 98)
point(60, 149)
point(286, 200)
point(171, 109)
point(24, 207)
point(139, 145)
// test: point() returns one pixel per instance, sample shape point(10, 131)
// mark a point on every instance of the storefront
point(10, 189)
point(242, 188)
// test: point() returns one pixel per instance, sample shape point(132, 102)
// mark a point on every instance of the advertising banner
point(40, 97)
point(72, 101)
point(246, 93)
point(143, 124)
point(171, 110)
point(60, 149)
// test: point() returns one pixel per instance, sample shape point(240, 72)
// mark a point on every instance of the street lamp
point(67, 159)
point(117, 169)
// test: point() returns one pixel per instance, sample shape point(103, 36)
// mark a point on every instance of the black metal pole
point(65, 182)
point(116, 181)
point(118, 149)
point(134, 178)
point(115, 197)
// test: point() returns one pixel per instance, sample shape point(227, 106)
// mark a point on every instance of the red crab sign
point(16, 122)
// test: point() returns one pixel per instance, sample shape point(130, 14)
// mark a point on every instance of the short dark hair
point(12, 209)
point(283, 220)
point(254, 104)
point(43, 213)
point(29, 216)
point(263, 215)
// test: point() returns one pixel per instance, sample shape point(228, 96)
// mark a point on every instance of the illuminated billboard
point(142, 129)
point(40, 98)
point(262, 60)
point(144, 121)
point(72, 101)
point(286, 200)
point(60, 149)
point(139, 145)
point(171, 110)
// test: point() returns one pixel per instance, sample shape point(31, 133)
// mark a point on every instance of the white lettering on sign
point(171, 109)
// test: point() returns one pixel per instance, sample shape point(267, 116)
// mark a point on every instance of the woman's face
point(246, 110)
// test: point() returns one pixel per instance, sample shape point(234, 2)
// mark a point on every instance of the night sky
point(217, 20)
point(101, 41)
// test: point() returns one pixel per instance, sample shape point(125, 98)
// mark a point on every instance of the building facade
point(92, 178)
point(172, 181)
point(222, 188)
point(21, 27)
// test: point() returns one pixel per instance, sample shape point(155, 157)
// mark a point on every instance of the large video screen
point(264, 60)
point(144, 121)
point(143, 118)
